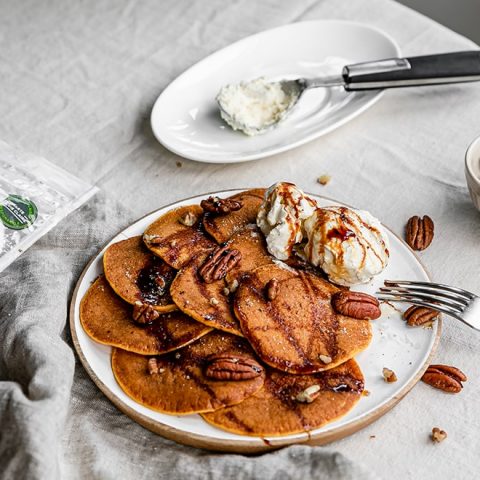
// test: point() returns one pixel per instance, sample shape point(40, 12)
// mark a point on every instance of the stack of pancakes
point(303, 350)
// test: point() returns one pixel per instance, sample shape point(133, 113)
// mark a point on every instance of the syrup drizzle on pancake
point(284, 388)
point(154, 281)
point(323, 329)
point(192, 239)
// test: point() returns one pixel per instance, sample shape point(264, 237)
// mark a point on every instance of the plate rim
point(256, 156)
point(224, 445)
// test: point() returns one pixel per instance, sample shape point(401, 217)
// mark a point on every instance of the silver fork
point(456, 302)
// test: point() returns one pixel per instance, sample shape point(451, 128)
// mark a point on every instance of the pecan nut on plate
point(218, 264)
point(144, 313)
point(232, 367)
point(420, 316)
point(220, 206)
point(356, 304)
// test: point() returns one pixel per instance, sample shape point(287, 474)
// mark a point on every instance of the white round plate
point(404, 350)
point(186, 119)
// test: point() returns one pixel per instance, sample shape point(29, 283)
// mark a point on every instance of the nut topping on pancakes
point(232, 367)
point(309, 394)
point(220, 206)
point(143, 313)
point(218, 264)
point(272, 289)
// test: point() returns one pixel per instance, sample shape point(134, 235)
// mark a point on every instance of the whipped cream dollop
point(350, 246)
point(254, 106)
point(281, 216)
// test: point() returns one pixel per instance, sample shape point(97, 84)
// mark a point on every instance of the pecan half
point(218, 264)
point(144, 313)
point(272, 289)
point(438, 435)
point(232, 367)
point(444, 377)
point(419, 232)
point(420, 316)
point(220, 206)
point(356, 304)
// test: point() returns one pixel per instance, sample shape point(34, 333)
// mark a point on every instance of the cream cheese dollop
point(281, 216)
point(254, 106)
point(350, 246)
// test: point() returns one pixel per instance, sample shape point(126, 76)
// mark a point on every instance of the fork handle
point(413, 71)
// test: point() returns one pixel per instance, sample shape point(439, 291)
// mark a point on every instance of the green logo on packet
point(18, 212)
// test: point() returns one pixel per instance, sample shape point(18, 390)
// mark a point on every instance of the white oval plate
point(185, 117)
point(405, 350)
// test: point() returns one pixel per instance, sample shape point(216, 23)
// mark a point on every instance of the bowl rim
point(469, 158)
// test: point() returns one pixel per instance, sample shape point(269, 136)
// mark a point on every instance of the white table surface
point(78, 81)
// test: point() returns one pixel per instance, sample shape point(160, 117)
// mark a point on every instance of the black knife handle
point(413, 71)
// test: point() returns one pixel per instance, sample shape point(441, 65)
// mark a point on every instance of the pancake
point(207, 303)
point(175, 242)
point(107, 319)
point(135, 274)
point(274, 410)
point(250, 242)
point(222, 227)
point(181, 387)
point(298, 331)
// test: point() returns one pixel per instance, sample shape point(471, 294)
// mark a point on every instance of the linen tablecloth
point(77, 83)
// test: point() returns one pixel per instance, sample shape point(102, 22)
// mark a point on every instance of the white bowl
point(472, 171)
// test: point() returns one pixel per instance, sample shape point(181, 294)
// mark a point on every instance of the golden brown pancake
point(250, 242)
point(274, 410)
point(181, 387)
point(175, 242)
point(207, 303)
point(298, 331)
point(222, 227)
point(135, 274)
point(107, 319)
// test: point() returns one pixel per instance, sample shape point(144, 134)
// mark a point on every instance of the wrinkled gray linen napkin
point(77, 82)
point(55, 423)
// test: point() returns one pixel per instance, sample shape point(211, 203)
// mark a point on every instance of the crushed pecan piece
point(325, 359)
point(218, 264)
point(220, 206)
point(233, 285)
point(309, 394)
point(419, 232)
point(272, 289)
point(356, 304)
point(420, 316)
point(438, 435)
point(324, 179)
point(152, 366)
point(444, 377)
point(144, 313)
point(189, 219)
point(232, 367)
point(389, 375)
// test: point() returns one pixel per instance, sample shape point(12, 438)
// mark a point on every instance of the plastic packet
point(34, 196)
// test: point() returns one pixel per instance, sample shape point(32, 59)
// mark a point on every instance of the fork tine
point(433, 294)
point(439, 286)
point(427, 298)
point(440, 308)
